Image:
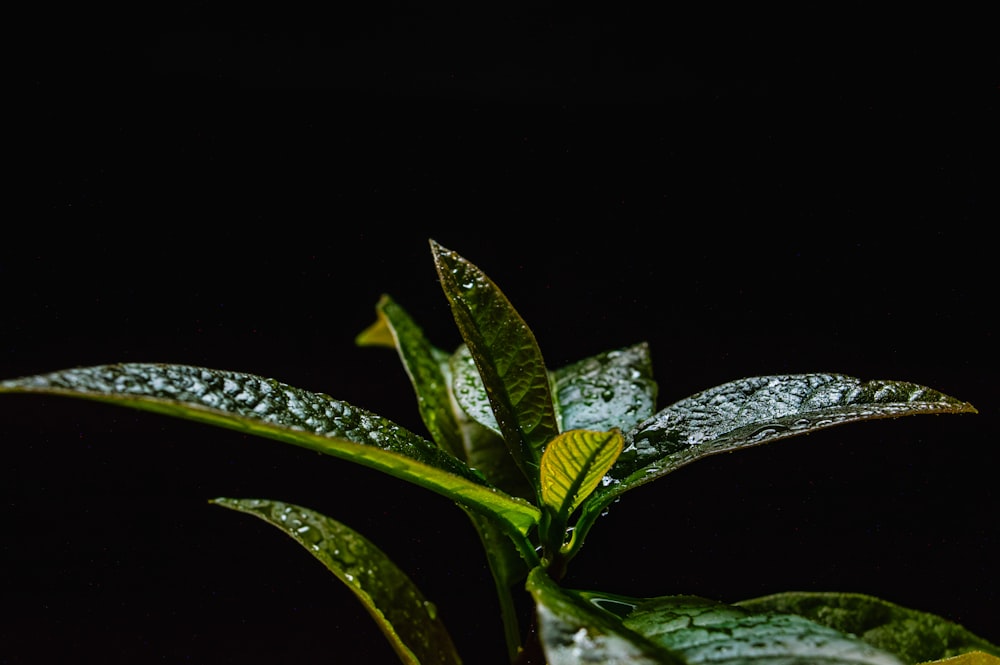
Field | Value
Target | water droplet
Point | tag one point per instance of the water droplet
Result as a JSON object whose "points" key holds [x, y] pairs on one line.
{"points": [[432, 610]]}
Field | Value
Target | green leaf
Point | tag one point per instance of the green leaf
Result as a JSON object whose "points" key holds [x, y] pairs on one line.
{"points": [[759, 410], [484, 444], [429, 372], [574, 632], [912, 635], [706, 631], [507, 356], [438, 382], [612, 389], [268, 408], [573, 464], [422, 363], [470, 392], [408, 620]]}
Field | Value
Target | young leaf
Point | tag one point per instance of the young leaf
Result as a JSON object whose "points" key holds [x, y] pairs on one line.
{"points": [[912, 635], [271, 409], [758, 410], [507, 356], [573, 464], [408, 620]]}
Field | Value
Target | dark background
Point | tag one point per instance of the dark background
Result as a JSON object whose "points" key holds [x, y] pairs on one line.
{"points": [[237, 191]]}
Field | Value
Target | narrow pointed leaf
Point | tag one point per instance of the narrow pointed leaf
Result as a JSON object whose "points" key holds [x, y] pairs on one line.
{"points": [[441, 383], [612, 389], [573, 464], [429, 372], [422, 362], [575, 632], [485, 447], [268, 408], [914, 636], [705, 631], [408, 620], [506, 354], [759, 410]]}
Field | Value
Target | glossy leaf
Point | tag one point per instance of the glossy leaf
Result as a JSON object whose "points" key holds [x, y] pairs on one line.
{"points": [[573, 464], [507, 357], [422, 362], [706, 631], [575, 632], [442, 385], [612, 389], [470, 391], [759, 410], [429, 372], [271, 409], [408, 620], [912, 635]]}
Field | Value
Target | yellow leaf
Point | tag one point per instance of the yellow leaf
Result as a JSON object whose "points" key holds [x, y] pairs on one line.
{"points": [[970, 658], [574, 463]]}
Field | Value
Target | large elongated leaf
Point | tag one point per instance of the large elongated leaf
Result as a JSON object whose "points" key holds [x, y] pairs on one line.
{"points": [[706, 631], [271, 409], [758, 410], [408, 620], [507, 356], [914, 636], [590, 627]]}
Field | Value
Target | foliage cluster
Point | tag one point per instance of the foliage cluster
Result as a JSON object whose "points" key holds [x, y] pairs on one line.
{"points": [[534, 457]]}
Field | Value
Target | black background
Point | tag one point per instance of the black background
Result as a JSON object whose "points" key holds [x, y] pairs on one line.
{"points": [[237, 191]]}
